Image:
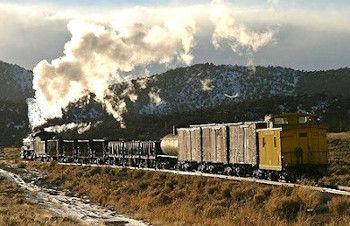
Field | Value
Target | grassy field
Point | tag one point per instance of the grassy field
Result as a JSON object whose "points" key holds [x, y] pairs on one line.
{"points": [[339, 159], [162, 198], [168, 199]]}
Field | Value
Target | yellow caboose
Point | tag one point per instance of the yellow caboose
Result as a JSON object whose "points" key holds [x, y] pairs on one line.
{"points": [[294, 143]]}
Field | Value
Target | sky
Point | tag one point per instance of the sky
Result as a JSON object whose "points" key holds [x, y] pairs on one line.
{"points": [[306, 35]]}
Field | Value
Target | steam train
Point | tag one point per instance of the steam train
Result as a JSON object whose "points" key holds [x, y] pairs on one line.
{"points": [[281, 147]]}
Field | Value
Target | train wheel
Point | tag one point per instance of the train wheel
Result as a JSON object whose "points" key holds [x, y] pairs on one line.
{"points": [[240, 172], [228, 171]]}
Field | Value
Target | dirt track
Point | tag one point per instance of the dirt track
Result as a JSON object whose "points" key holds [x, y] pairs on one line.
{"points": [[61, 204]]}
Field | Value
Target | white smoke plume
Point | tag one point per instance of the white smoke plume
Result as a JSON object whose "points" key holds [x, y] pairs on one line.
{"points": [[207, 84], [96, 54], [154, 97], [237, 36], [100, 54], [142, 83], [231, 96], [81, 127], [34, 113]]}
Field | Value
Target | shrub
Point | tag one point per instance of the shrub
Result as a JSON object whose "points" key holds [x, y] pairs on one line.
{"points": [[322, 209], [215, 212], [179, 194], [198, 209], [163, 200], [259, 198], [262, 195], [162, 177], [226, 193], [53, 164], [60, 180], [138, 174], [241, 196], [313, 200], [171, 184], [212, 189], [287, 207], [223, 203], [142, 186], [107, 170], [339, 206], [95, 170], [342, 170], [22, 165]]}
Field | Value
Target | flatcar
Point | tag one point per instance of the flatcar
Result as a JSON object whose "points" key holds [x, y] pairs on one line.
{"points": [[285, 146]]}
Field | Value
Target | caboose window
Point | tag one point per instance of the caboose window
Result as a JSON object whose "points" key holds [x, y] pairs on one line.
{"points": [[274, 142], [263, 142], [304, 119], [281, 121]]}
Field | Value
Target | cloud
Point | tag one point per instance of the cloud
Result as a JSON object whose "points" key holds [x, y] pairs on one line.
{"points": [[239, 37], [30, 33], [101, 47]]}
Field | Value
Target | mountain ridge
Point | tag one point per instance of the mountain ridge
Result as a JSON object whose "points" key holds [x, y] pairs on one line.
{"points": [[227, 92]]}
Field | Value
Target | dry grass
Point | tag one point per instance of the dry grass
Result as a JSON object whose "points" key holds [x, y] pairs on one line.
{"points": [[167, 199], [342, 135], [339, 160], [162, 198], [10, 153], [16, 210]]}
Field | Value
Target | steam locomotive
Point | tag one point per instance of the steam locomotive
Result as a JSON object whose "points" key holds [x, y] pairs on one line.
{"points": [[282, 147]]}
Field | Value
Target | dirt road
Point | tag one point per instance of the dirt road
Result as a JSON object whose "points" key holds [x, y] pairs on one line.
{"points": [[64, 205]]}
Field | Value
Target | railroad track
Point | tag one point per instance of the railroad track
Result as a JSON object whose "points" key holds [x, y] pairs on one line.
{"points": [[341, 190]]}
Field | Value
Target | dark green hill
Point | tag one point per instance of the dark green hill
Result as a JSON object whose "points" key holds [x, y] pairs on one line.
{"points": [[200, 93]]}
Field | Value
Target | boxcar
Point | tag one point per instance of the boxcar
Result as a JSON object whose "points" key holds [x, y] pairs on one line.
{"points": [[116, 150]]}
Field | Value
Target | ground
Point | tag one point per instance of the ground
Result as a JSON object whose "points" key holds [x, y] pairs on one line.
{"points": [[16, 209], [339, 160], [168, 199]]}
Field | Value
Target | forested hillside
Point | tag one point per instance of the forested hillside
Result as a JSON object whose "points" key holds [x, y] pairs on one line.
{"points": [[200, 93]]}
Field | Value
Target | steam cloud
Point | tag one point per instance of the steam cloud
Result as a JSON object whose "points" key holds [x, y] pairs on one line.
{"points": [[98, 54], [237, 36], [81, 127], [206, 84], [154, 97]]}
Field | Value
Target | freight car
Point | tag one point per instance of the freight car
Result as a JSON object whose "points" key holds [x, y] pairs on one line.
{"points": [[45, 146], [285, 146], [220, 148]]}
